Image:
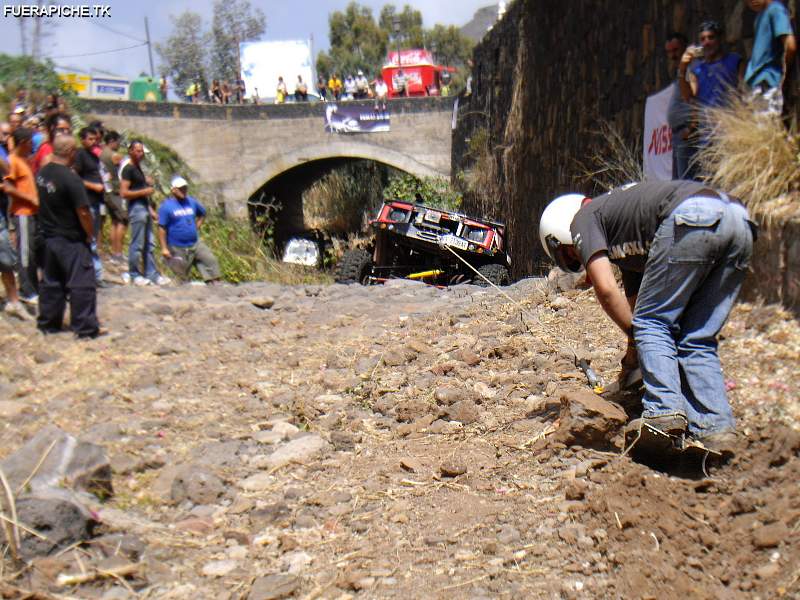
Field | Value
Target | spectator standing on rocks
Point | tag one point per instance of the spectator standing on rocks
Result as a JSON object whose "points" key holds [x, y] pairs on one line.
{"points": [[679, 112], [87, 166], [179, 218], [20, 187], [683, 250], [8, 256], [774, 49], [67, 228], [111, 159], [711, 80], [137, 188]]}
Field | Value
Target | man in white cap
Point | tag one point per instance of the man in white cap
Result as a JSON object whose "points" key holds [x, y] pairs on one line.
{"points": [[179, 218], [362, 86]]}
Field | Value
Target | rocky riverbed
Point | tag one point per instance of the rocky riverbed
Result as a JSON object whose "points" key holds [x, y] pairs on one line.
{"points": [[398, 441]]}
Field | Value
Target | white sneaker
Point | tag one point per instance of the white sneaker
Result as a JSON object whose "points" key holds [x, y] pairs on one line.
{"points": [[163, 280], [139, 280], [126, 278], [32, 300], [15, 309]]}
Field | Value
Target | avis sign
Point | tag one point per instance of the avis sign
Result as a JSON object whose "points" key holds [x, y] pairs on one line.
{"points": [[658, 137]]}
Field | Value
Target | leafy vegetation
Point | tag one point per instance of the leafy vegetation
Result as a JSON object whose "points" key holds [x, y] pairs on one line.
{"points": [[432, 191], [23, 72], [359, 42]]}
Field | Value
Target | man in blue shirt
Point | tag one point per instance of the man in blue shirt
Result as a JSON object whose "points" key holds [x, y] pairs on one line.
{"points": [[774, 49], [179, 218]]}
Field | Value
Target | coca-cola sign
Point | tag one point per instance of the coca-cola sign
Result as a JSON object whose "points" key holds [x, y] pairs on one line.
{"points": [[410, 57]]}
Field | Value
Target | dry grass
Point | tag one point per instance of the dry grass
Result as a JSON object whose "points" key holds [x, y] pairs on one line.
{"points": [[480, 182], [613, 162], [754, 158]]}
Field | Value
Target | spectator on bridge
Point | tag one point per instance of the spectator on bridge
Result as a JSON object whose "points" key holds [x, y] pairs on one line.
{"points": [[67, 231], [137, 188], [111, 159], [179, 218], [400, 83], [280, 92], [335, 86], [240, 90], [322, 90], [679, 113], [711, 80], [300, 90], [362, 86], [163, 88], [216, 92], [191, 91], [349, 87], [774, 49], [381, 93], [20, 187], [226, 92]]}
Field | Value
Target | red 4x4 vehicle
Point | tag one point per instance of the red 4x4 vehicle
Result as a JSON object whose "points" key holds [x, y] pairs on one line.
{"points": [[419, 242]]}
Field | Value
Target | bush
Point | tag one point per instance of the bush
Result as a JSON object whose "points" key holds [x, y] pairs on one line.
{"points": [[434, 191]]}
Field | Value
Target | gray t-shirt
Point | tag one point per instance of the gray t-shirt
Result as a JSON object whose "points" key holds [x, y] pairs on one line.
{"points": [[623, 223]]}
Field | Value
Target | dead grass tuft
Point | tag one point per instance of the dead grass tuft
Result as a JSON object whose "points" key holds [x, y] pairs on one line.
{"points": [[753, 157], [612, 162]]}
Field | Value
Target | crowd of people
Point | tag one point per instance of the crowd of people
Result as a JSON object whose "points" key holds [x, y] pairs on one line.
{"points": [[219, 92], [333, 89], [55, 195], [707, 76]]}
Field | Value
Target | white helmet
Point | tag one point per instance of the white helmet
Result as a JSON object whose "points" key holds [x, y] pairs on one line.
{"points": [[554, 229]]}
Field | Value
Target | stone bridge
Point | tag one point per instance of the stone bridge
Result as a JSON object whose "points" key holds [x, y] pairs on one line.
{"points": [[236, 150]]}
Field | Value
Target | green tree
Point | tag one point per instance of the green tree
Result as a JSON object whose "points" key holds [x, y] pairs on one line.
{"points": [[184, 55], [452, 47], [357, 42], [411, 33], [39, 78], [234, 22]]}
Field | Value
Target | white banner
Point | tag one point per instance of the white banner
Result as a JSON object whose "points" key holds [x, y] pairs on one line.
{"points": [[658, 136], [264, 62]]}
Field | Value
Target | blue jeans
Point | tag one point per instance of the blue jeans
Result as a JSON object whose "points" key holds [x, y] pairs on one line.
{"points": [[682, 155], [693, 274], [139, 219], [96, 262]]}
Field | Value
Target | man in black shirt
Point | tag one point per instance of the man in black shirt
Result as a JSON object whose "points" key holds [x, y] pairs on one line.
{"points": [[66, 224], [683, 250], [87, 166]]}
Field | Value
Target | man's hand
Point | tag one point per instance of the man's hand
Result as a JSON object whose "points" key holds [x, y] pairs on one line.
{"points": [[166, 253], [149, 180], [631, 359]]}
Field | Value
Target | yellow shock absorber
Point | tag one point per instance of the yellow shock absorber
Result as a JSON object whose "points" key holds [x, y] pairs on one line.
{"points": [[426, 274]]}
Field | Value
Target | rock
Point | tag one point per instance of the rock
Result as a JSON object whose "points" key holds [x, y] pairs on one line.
{"points": [[559, 303], [268, 437], [198, 485], [576, 490], [296, 562], [344, 441], [411, 464], [768, 571], [263, 302], [219, 568], [463, 411], [257, 483], [274, 587], [771, 535], [418, 425], [408, 411], [285, 429], [588, 420], [41, 357], [126, 545], [68, 463], [447, 395], [64, 523], [298, 450], [201, 526], [508, 535], [468, 357], [11, 408], [452, 469]]}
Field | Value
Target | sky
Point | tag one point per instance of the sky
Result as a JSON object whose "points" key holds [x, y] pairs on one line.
{"points": [[70, 38]]}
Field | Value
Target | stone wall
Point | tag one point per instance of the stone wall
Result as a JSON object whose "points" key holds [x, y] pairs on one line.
{"points": [[547, 75]]}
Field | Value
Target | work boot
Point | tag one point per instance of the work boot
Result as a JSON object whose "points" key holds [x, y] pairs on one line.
{"points": [[669, 424], [721, 442]]}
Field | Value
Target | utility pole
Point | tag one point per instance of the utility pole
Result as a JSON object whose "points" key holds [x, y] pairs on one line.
{"points": [[149, 47]]}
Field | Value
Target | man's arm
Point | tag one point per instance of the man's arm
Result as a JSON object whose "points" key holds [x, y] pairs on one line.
{"points": [[162, 239], [87, 223], [93, 187], [126, 192], [608, 293], [13, 192], [789, 52]]}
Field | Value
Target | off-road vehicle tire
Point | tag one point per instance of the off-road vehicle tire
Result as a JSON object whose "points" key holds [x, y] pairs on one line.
{"points": [[495, 273], [355, 267]]}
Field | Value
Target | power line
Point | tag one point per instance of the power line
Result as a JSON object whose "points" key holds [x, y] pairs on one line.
{"points": [[107, 28], [97, 53]]}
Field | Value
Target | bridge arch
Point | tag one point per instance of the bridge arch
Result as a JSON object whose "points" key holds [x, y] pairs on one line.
{"points": [[279, 163]]}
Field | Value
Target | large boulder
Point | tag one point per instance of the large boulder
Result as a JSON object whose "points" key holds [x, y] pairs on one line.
{"points": [[588, 420]]}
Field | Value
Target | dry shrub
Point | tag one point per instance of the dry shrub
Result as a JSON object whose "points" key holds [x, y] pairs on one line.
{"points": [[480, 182], [613, 161], [753, 157]]}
